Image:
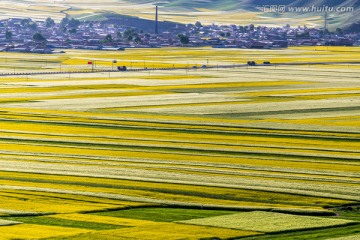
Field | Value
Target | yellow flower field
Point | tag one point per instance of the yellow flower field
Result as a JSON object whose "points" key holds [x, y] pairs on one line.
{"points": [[30, 231], [276, 139]]}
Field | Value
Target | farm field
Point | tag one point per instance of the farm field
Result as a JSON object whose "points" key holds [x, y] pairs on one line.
{"points": [[77, 60], [264, 152]]}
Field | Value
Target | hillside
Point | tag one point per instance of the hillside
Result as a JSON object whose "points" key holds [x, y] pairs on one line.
{"points": [[240, 12], [249, 4], [253, 7]]}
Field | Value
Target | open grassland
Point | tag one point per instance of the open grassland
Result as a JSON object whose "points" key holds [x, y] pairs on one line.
{"points": [[99, 155], [237, 12]]}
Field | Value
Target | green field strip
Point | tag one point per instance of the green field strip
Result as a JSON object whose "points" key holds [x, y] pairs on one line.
{"points": [[164, 106], [104, 220], [234, 170], [194, 201], [164, 230], [231, 170], [311, 91], [254, 221], [161, 193], [98, 203], [321, 96], [217, 86], [289, 112], [245, 195], [296, 135], [320, 169], [305, 70], [6, 100], [50, 221], [348, 211], [164, 214], [239, 151], [275, 76], [295, 74], [27, 203], [289, 203], [219, 179], [353, 144], [224, 139], [322, 234], [177, 77], [53, 128], [170, 145], [194, 127], [302, 188], [244, 186], [202, 141]]}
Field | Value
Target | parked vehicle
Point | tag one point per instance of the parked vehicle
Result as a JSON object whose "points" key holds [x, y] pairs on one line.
{"points": [[123, 68]]}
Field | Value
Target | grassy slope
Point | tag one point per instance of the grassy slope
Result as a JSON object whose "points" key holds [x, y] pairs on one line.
{"points": [[237, 12]]}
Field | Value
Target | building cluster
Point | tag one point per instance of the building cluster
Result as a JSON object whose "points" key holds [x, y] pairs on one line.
{"points": [[26, 35]]}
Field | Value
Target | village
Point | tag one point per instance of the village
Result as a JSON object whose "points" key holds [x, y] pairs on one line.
{"points": [[27, 35]]}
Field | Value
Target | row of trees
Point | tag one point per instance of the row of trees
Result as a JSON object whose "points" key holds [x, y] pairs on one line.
{"points": [[30, 24], [128, 35], [131, 35], [37, 37], [66, 23]]}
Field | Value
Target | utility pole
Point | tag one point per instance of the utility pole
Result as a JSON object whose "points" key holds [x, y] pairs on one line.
{"points": [[156, 21], [325, 26]]}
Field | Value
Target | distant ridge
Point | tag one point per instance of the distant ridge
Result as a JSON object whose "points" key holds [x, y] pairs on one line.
{"points": [[216, 4], [239, 12], [349, 20]]}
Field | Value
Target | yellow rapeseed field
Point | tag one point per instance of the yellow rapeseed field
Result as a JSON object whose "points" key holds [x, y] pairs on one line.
{"points": [[273, 139], [31, 231]]}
